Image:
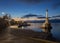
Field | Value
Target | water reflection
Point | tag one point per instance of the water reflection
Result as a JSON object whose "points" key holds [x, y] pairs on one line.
{"points": [[55, 29]]}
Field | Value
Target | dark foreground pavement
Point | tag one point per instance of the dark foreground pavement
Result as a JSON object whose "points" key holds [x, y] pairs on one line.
{"points": [[15, 36]]}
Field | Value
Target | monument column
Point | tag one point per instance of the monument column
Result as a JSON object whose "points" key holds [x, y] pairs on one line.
{"points": [[46, 27]]}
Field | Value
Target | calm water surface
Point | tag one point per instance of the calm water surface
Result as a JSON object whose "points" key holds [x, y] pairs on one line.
{"points": [[55, 29]]}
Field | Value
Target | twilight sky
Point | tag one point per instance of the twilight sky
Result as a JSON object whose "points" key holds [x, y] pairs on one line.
{"points": [[19, 8]]}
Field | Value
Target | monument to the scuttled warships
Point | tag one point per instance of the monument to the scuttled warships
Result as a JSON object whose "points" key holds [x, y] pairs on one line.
{"points": [[46, 27]]}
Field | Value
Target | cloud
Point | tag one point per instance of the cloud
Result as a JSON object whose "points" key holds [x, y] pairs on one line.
{"points": [[55, 3], [33, 1]]}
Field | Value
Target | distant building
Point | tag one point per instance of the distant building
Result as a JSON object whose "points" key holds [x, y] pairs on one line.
{"points": [[17, 19]]}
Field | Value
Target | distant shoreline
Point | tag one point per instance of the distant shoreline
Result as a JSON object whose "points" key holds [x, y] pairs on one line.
{"points": [[42, 21]]}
